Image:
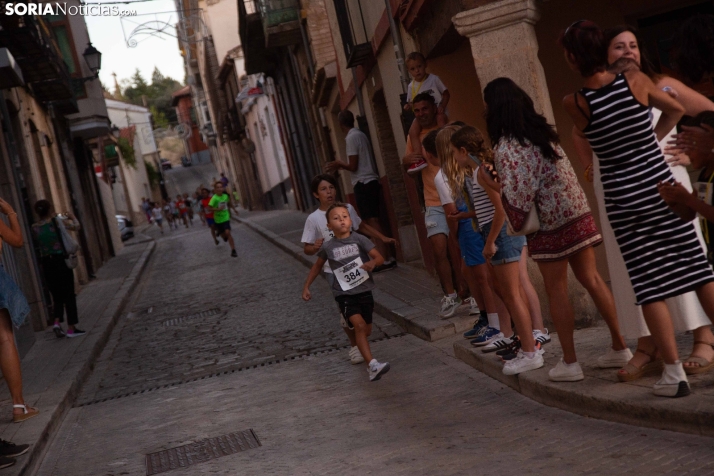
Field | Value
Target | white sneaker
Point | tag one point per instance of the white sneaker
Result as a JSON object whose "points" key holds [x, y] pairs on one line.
{"points": [[540, 336], [376, 370], [673, 382], [523, 364], [563, 372], [449, 306], [355, 356], [614, 359], [499, 343], [473, 307]]}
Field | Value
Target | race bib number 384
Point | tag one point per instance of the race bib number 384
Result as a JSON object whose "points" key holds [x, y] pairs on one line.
{"points": [[351, 275]]}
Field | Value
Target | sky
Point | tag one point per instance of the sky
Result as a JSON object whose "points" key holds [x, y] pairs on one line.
{"points": [[105, 33]]}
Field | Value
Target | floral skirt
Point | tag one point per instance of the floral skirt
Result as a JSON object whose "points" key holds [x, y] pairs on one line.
{"points": [[564, 242], [12, 299]]}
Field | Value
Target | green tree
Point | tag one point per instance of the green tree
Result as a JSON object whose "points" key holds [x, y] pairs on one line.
{"points": [[157, 94]]}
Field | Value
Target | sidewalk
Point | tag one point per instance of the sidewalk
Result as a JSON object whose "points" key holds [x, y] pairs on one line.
{"points": [[406, 295], [410, 298], [54, 369]]}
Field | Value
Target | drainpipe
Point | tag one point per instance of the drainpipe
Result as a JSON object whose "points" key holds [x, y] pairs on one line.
{"points": [[398, 47]]}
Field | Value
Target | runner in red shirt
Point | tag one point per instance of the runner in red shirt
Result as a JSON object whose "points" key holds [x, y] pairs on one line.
{"points": [[208, 212], [182, 209]]}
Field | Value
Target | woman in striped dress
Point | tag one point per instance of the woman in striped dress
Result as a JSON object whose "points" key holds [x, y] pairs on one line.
{"points": [[660, 249]]}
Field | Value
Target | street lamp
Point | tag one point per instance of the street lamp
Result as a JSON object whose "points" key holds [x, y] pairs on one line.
{"points": [[93, 58]]}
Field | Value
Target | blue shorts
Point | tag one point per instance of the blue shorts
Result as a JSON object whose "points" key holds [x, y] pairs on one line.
{"points": [[471, 244], [435, 221], [210, 222], [508, 248]]}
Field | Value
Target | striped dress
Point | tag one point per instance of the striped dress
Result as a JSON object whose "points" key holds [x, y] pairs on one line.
{"points": [[661, 252]]}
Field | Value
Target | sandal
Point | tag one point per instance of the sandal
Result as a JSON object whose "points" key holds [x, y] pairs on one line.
{"points": [[27, 413], [631, 372], [704, 364]]}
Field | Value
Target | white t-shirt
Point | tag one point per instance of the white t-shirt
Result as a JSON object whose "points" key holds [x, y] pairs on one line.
{"points": [[358, 144], [482, 204], [157, 213], [316, 227], [442, 188], [431, 84]]}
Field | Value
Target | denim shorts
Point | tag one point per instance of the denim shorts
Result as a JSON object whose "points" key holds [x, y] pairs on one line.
{"points": [[435, 221], [508, 248], [12, 299], [471, 244]]}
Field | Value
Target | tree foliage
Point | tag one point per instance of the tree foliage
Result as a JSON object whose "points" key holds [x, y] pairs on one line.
{"points": [[157, 94]]}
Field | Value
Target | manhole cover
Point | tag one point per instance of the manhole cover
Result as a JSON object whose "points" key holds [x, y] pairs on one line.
{"points": [[179, 320], [204, 450]]}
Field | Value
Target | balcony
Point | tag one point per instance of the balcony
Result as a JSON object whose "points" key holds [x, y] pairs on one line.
{"points": [[258, 59], [281, 22], [30, 42]]}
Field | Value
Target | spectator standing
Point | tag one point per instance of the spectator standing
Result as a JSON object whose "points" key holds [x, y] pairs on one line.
{"points": [[365, 181], [58, 276], [13, 311], [437, 228]]}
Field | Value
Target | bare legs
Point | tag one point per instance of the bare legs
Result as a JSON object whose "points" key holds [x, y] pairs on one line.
{"points": [[509, 285], [530, 292], [10, 361], [362, 332], [443, 268], [555, 277]]}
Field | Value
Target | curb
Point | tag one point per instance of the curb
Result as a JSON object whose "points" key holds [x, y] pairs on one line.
{"points": [[595, 397], [108, 319], [413, 320]]}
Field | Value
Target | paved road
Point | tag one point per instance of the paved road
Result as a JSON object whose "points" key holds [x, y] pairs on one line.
{"points": [[170, 382]]}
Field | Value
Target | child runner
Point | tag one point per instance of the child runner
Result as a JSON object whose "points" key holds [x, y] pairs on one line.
{"points": [[168, 214], [220, 204], [182, 209], [316, 232], [423, 82], [174, 214], [502, 251], [198, 208], [348, 255], [208, 213], [188, 201], [158, 217]]}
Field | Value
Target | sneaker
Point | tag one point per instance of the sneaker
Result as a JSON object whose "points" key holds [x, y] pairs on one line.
{"points": [[449, 306], [512, 348], [9, 449], [523, 364], [414, 168], [386, 266], [515, 350], [234, 253], [58, 331], [476, 330], [473, 307], [6, 462], [376, 370], [488, 335], [614, 359], [75, 333], [563, 372], [673, 382], [497, 344], [355, 356], [541, 337]]}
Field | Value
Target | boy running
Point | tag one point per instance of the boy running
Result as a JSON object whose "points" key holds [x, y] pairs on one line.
{"points": [[208, 213], [158, 217], [219, 205], [348, 255]]}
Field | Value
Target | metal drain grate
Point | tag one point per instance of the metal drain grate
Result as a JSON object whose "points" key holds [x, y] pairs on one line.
{"points": [[204, 450], [179, 320]]}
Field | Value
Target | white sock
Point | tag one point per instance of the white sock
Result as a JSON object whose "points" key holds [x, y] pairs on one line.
{"points": [[453, 295], [493, 320], [530, 355], [373, 362]]}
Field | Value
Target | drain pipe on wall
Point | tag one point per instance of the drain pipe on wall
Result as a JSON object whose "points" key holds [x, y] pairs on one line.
{"points": [[398, 47]]}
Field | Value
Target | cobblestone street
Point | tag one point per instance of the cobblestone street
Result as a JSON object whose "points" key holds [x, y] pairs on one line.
{"points": [[315, 414]]}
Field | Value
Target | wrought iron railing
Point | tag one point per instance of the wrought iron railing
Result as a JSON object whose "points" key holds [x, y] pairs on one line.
{"points": [[276, 12]]}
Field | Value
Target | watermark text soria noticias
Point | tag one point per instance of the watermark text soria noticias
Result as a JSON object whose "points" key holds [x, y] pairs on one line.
{"points": [[94, 10]]}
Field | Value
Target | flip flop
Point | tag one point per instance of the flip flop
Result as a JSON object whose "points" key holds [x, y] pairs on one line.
{"points": [[704, 364]]}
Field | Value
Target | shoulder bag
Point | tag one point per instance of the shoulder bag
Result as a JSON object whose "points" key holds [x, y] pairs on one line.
{"points": [[69, 245]]}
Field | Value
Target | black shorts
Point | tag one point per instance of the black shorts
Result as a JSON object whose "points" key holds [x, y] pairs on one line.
{"points": [[368, 196], [350, 305], [221, 227]]}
